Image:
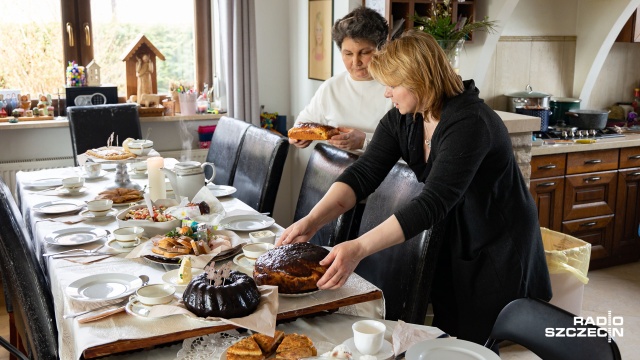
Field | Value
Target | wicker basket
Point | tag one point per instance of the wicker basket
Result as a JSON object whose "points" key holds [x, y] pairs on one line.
{"points": [[157, 110]]}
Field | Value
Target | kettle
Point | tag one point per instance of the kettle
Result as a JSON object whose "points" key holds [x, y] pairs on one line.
{"points": [[187, 178]]}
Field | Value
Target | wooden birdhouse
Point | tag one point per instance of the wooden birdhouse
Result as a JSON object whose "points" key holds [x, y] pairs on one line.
{"points": [[92, 71], [140, 60]]}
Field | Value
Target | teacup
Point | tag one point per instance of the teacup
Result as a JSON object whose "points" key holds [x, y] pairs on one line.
{"points": [[138, 168], [140, 147], [73, 184], [253, 251], [263, 236], [128, 237], [99, 207], [92, 169], [156, 294], [368, 336]]}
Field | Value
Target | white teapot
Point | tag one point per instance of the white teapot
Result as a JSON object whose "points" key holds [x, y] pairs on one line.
{"points": [[187, 178]]}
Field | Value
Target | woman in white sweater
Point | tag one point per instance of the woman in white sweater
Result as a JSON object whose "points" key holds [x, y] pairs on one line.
{"points": [[351, 101]]}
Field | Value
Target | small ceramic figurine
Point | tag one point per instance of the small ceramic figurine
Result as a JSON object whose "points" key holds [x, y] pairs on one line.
{"points": [[25, 101], [43, 104]]}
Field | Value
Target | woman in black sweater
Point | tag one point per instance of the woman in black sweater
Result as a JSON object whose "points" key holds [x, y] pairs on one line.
{"points": [[492, 249]]}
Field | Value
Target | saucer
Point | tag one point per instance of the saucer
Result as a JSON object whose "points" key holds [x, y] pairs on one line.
{"points": [[101, 175], [386, 352], [65, 192], [244, 261], [135, 175], [113, 244], [90, 216]]}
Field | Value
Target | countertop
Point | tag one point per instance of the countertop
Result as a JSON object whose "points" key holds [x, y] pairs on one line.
{"points": [[629, 140], [63, 122]]}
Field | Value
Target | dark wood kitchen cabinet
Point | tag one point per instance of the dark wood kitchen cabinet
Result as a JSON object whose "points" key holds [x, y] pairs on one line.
{"points": [[630, 32], [594, 196]]}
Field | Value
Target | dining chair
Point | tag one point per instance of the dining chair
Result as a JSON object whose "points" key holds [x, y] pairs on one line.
{"points": [[26, 285], [224, 149], [325, 164], [260, 164], [91, 126], [403, 272], [529, 322]]}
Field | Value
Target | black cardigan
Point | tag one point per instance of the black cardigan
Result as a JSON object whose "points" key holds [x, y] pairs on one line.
{"points": [[473, 185]]}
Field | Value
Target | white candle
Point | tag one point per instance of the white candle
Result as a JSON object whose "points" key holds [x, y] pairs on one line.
{"points": [[157, 188]]}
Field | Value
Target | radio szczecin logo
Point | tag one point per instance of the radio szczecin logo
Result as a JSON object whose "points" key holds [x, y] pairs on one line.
{"points": [[609, 326]]}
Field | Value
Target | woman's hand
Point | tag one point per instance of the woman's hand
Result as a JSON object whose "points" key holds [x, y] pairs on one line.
{"points": [[300, 143], [349, 139], [343, 258], [300, 231]]}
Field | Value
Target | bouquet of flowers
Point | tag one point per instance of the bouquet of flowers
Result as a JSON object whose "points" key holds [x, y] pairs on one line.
{"points": [[443, 28]]}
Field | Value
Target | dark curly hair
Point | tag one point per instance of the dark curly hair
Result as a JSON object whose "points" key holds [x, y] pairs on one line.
{"points": [[361, 24]]}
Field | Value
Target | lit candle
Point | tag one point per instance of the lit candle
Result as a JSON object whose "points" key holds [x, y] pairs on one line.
{"points": [[157, 188]]}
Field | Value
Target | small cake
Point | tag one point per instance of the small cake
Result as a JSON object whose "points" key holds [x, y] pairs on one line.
{"points": [[237, 296], [294, 347], [293, 268], [269, 344], [245, 349]]}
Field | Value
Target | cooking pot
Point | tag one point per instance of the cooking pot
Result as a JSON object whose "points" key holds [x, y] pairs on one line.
{"points": [[588, 119], [527, 99], [543, 114], [560, 106]]}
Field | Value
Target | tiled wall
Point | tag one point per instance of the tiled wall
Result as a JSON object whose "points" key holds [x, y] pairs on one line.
{"points": [[547, 63]]}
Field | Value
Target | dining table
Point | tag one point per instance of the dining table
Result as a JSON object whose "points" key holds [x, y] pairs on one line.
{"points": [[127, 336]]}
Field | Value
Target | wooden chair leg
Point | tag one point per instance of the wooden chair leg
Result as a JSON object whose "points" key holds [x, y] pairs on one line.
{"points": [[13, 335]]}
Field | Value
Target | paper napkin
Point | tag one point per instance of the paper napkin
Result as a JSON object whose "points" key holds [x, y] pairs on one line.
{"points": [[404, 335]]}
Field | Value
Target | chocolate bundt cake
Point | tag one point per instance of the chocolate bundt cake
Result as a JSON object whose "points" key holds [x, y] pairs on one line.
{"points": [[237, 297], [293, 268]]}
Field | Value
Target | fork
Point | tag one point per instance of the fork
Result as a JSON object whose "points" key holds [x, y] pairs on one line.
{"points": [[72, 250]]}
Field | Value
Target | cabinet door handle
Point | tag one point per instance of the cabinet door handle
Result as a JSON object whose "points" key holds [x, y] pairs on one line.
{"points": [[547, 184], [548, 166], [593, 161], [594, 178], [87, 34], [634, 174], [634, 157], [592, 223], [70, 33]]}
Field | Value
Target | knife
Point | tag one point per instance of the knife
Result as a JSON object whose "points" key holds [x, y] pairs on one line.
{"points": [[79, 255]]}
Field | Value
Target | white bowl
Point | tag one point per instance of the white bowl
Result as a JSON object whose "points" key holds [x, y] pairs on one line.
{"points": [[99, 205], [128, 236], [263, 236], [254, 250], [151, 228], [156, 294], [73, 183]]}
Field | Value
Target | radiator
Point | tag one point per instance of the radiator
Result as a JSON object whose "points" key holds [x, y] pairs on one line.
{"points": [[8, 169]]}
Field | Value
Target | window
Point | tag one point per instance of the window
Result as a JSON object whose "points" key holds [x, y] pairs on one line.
{"points": [[102, 30]]}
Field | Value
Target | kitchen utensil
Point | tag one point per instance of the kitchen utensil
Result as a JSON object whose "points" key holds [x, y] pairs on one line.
{"points": [[588, 119], [83, 251], [188, 177], [527, 99], [559, 106]]}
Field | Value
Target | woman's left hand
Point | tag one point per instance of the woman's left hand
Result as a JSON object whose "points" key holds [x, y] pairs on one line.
{"points": [[343, 258], [349, 139]]}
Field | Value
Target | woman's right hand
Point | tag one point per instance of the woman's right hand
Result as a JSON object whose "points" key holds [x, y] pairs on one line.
{"points": [[300, 143], [300, 231]]}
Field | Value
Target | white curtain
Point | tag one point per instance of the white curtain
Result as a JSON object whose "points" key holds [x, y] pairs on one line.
{"points": [[239, 59]]}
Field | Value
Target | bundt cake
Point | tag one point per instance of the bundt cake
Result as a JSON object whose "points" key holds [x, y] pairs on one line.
{"points": [[237, 297], [293, 268]]}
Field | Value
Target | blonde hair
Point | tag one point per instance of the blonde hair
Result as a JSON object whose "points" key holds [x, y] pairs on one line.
{"points": [[417, 62]]}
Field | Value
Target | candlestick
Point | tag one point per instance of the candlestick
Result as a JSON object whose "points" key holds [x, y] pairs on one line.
{"points": [[157, 189]]}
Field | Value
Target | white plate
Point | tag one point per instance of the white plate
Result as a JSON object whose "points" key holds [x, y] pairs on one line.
{"points": [[101, 287], [109, 167], [88, 215], [128, 204], [58, 207], [243, 262], [450, 349], [50, 182], [62, 191], [87, 177], [140, 310], [385, 353], [300, 295], [247, 222], [171, 277], [135, 175], [113, 244], [221, 190], [75, 236]]}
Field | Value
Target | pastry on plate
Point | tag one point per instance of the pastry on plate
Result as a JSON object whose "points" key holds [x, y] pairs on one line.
{"points": [[294, 347], [269, 344], [245, 349]]}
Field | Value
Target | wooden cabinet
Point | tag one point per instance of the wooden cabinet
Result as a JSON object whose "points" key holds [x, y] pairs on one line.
{"points": [[594, 196], [630, 32], [401, 12]]}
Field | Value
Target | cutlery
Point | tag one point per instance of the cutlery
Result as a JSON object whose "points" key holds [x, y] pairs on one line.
{"points": [[84, 251], [64, 256], [401, 355], [45, 189], [145, 281]]}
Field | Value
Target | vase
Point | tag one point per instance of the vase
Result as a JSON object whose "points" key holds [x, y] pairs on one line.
{"points": [[452, 49]]}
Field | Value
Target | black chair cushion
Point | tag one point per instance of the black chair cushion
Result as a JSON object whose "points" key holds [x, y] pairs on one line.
{"points": [[91, 126], [260, 164], [403, 272], [325, 165], [225, 149], [26, 283]]}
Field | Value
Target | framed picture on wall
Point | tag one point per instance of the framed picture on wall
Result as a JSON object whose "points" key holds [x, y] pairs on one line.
{"points": [[320, 46]]}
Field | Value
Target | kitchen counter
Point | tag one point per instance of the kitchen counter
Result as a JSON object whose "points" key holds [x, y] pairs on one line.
{"points": [[63, 122], [629, 140]]}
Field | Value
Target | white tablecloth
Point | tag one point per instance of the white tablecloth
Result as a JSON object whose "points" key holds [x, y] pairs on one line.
{"points": [[74, 337]]}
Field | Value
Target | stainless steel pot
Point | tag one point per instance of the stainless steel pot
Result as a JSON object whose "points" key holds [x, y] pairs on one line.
{"points": [[588, 119], [527, 99]]}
